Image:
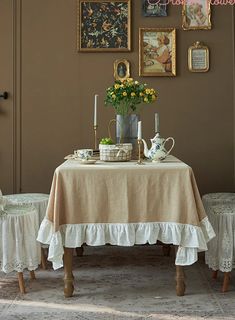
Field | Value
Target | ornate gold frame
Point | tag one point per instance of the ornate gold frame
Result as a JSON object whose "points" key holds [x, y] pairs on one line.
{"points": [[198, 57], [185, 25], [115, 69], [173, 52], [79, 32]]}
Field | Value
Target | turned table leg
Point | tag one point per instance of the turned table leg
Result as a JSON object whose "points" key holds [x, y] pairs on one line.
{"points": [[214, 274], [43, 259], [180, 285], [32, 275], [21, 282], [166, 248], [226, 281], [68, 272], [79, 251]]}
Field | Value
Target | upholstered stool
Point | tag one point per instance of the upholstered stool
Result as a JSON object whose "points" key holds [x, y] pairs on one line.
{"points": [[19, 249], [218, 198], [220, 209], [39, 201]]}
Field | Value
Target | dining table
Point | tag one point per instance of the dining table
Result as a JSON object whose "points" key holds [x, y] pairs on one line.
{"points": [[124, 204]]}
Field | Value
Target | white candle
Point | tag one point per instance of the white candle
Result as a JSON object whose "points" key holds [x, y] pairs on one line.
{"points": [[95, 110], [139, 134], [157, 122]]}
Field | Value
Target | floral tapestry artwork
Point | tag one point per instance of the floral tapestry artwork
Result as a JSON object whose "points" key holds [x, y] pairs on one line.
{"points": [[104, 26]]}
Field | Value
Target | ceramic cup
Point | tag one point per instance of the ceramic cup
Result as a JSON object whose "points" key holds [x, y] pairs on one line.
{"points": [[84, 154]]}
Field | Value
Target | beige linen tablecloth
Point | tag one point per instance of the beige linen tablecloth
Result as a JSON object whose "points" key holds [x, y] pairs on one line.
{"points": [[125, 204]]}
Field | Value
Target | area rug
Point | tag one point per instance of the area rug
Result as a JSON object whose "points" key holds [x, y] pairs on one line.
{"points": [[117, 283]]}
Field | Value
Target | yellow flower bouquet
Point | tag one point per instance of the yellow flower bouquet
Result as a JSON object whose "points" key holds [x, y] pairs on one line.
{"points": [[125, 95]]}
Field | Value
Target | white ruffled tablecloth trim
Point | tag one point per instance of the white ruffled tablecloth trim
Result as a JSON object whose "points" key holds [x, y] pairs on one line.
{"points": [[190, 239]]}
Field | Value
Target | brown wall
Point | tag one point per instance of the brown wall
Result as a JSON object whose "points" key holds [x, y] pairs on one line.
{"points": [[58, 87], [234, 90]]}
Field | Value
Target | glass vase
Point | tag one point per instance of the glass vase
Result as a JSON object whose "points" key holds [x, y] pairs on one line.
{"points": [[126, 128]]}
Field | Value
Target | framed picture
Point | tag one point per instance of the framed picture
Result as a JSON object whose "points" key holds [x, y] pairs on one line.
{"points": [[196, 15], [198, 58], [154, 8], [157, 52], [104, 25], [121, 69]]}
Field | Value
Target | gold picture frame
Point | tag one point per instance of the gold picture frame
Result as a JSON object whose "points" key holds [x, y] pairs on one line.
{"points": [[196, 15], [198, 57], [121, 69], [103, 25], [157, 52]]}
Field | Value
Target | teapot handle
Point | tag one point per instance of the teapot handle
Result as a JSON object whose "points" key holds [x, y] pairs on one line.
{"points": [[173, 143]]}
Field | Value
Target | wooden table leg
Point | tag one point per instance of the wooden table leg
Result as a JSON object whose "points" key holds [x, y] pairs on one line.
{"points": [[68, 272], [32, 275], [43, 259], [79, 251], [226, 281], [214, 274], [21, 282], [180, 285], [166, 248]]}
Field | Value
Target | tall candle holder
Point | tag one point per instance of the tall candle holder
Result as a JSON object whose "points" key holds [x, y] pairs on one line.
{"points": [[95, 135], [140, 161]]}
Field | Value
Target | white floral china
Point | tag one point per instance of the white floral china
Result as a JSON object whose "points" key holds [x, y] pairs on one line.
{"points": [[157, 152], [69, 157], [83, 154], [89, 161]]}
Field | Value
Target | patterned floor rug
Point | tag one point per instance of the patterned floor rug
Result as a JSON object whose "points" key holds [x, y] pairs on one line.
{"points": [[118, 283]]}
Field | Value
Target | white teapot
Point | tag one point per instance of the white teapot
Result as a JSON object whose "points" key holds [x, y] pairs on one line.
{"points": [[157, 152]]}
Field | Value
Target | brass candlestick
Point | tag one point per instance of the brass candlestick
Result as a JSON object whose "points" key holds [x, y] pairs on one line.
{"points": [[95, 134], [139, 147]]}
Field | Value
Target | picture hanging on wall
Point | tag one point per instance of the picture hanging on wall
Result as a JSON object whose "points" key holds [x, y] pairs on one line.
{"points": [[196, 15], [157, 52], [154, 8], [104, 25], [198, 57], [121, 69]]}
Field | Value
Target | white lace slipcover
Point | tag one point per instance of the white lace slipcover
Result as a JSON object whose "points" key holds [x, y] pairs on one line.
{"points": [[38, 200], [220, 208], [18, 231]]}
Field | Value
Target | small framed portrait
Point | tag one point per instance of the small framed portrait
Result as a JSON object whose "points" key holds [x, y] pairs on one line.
{"points": [[157, 52], [196, 15], [198, 58], [154, 8], [121, 69], [104, 25]]}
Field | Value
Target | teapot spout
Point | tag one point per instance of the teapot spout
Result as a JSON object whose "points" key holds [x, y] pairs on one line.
{"points": [[146, 150]]}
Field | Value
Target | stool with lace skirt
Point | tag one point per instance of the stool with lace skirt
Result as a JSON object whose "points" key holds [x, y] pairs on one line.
{"points": [[220, 208], [19, 249]]}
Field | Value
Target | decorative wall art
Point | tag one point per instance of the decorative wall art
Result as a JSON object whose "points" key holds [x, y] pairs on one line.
{"points": [[157, 52], [154, 8], [196, 15], [104, 25], [198, 58], [121, 69]]}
